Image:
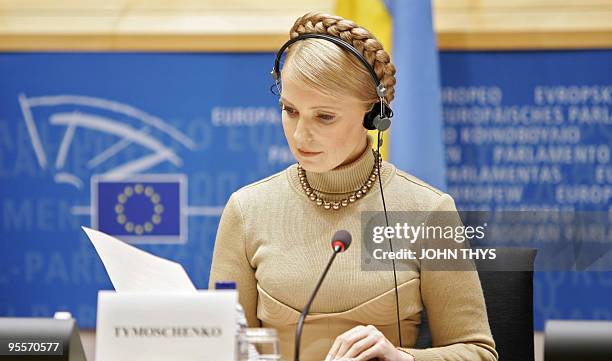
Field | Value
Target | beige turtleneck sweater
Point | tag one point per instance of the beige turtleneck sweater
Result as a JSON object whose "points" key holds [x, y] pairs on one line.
{"points": [[275, 242]]}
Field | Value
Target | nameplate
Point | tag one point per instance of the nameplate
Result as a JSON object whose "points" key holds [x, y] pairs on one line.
{"points": [[139, 326]]}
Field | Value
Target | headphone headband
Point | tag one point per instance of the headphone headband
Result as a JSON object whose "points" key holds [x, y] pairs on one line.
{"points": [[381, 91]]}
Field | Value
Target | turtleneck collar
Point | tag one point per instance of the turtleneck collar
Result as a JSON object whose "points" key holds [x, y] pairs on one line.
{"points": [[346, 178], [340, 182]]}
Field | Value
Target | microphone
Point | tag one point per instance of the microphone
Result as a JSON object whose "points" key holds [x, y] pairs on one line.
{"points": [[340, 242]]}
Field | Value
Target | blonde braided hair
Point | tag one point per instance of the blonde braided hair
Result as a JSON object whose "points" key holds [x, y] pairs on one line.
{"points": [[323, 65]]}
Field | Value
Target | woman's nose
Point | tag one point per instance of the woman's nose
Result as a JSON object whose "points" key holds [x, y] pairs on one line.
{"points": [[302, 133]]}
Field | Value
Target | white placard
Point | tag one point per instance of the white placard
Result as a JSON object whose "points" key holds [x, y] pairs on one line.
{"points": [[156, 326]]}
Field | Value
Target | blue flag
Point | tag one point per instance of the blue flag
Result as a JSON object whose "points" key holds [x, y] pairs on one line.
{"points": [[139, 210], [416, 133]]}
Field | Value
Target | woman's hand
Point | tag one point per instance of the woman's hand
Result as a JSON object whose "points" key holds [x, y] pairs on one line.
{"points": [[362, 343]]}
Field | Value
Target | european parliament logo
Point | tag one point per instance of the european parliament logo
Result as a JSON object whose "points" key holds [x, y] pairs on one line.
{"points": [[140, 208], [126, 144]]}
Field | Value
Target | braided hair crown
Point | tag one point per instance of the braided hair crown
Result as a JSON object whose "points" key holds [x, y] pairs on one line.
{"points": [[358, 37]]}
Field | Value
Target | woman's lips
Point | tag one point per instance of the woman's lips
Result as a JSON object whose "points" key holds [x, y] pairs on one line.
{"points": [[308, 154]]}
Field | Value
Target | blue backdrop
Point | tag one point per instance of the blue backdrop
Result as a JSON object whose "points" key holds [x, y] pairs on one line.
{"points": [[532, 130], [208, 123], [66, 118]]}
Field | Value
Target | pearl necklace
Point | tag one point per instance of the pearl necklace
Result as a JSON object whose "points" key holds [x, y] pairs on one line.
{"points": [[346, 201]]}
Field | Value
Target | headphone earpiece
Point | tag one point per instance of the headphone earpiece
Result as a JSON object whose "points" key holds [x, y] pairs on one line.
{"points": [[374, 120]]}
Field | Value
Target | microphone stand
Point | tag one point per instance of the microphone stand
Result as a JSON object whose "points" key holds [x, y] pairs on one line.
{"points": [[300, 324]]}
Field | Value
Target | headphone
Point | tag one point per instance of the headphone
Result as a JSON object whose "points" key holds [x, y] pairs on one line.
{"points": [[379, 117]]}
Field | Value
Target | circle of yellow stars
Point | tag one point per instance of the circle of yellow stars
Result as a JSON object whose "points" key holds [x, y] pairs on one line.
{"points": [[154, 198]]}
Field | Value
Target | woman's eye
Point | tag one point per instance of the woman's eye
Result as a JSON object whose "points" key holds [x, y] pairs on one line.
{"points": [[289, 111], [326, 117]]}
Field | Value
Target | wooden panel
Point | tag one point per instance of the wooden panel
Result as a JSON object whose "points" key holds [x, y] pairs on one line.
{"points": [[166, 43], [248, 25], [160, 25], [523, 24], [521, 4]]}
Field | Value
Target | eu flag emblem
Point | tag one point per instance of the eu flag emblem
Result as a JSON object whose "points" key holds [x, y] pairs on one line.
{"points": [[140, 208]]}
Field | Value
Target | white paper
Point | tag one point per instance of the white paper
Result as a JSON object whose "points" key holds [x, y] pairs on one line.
{"points": [[132, 269]]}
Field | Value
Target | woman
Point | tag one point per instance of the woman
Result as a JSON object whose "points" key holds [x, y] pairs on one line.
{"points": [[273, 238]]}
